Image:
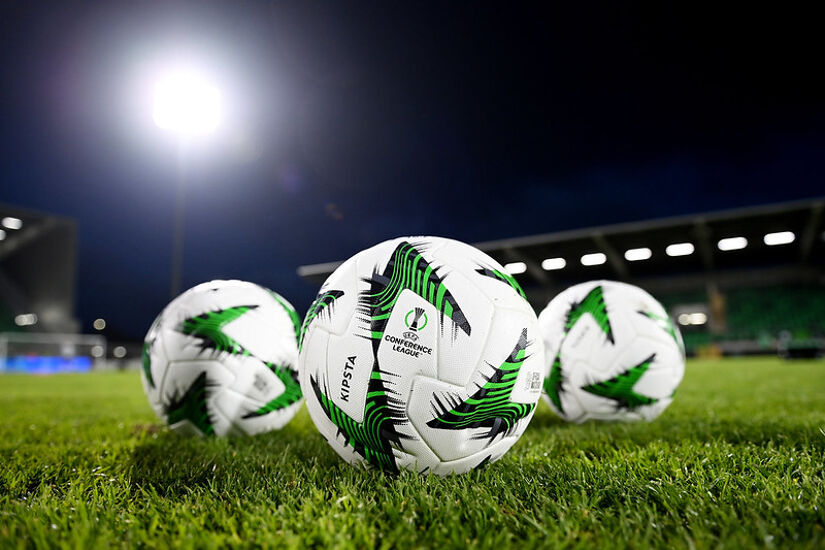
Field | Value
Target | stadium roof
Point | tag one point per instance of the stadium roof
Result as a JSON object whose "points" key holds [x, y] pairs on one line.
{"points": [[800, 222], [37, 270], [20, 227]]}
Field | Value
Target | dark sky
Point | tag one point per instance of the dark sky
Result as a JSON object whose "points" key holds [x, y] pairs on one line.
{"points": [[348, 125]]}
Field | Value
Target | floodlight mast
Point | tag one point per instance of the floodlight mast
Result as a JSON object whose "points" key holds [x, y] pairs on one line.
{"points": [[180, 214], [188, 107]]}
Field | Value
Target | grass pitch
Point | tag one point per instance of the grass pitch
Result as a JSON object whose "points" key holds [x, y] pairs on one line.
{"points": [[736, 461]]}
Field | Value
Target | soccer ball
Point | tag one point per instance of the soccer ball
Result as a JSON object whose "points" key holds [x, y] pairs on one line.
{"points": [[421, 353], [612, 353], [221, 359]]}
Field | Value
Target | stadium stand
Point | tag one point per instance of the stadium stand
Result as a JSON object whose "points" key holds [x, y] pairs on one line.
{"points": [[755, 312], [37, 271], [761, 292], [37, 295]]}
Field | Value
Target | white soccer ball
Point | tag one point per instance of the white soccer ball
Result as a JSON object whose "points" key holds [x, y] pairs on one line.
{"points": [[221, 359], [421, 353], [612, 353]]}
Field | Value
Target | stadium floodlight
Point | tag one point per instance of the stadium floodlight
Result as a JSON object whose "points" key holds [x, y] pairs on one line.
{"points": [[119, 352], [25, 320], [99, 324], [552, 264], [732, 243], [187, 105], [781, 237], [515, 268], [637, 254], [698, 318], [679, 249], [10, 222], [596, 258]]}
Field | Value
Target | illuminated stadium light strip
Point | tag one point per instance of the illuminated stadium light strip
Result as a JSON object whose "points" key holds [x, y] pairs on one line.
{"points": [[781, 237], [596, 258], [12, 223], [698, 318], [515, 268], [637, 254], [732, 243], [552, 264], [25, 319], [679, 249]]}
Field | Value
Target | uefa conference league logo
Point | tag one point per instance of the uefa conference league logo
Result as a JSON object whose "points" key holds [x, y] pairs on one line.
{"points": [[415, 321], [419, 321]]}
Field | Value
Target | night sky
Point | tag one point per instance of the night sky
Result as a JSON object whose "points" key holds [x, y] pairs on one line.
{"points": [[348, 125]]}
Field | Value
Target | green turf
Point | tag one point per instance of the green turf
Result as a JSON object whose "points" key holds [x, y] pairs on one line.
{"points": [[737, 461]]}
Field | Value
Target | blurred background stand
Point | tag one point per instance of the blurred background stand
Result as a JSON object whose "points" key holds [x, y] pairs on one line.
{"points": [[738, 282]]}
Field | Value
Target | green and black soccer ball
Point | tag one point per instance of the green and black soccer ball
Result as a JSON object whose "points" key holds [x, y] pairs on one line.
{"points": [[221, 359], [612, 353], [421, 353]]}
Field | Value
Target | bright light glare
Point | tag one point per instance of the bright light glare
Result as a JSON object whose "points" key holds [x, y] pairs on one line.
{"points": [[99, 324], [783, 237], [552, 264], [732, 243], [97, 351], [679, 249], [2, 235], [25, 319], [187, 105], [515, 268], [12, 223], [597, 258], [636, 254], [119, 352]]}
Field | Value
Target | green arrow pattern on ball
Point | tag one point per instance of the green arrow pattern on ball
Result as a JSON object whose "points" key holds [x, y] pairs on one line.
{"points": [[375, 436], [553, 383], [620, 387], [291, 394], [490, 406], [208, 328], [594, 305], [192, 406]]}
